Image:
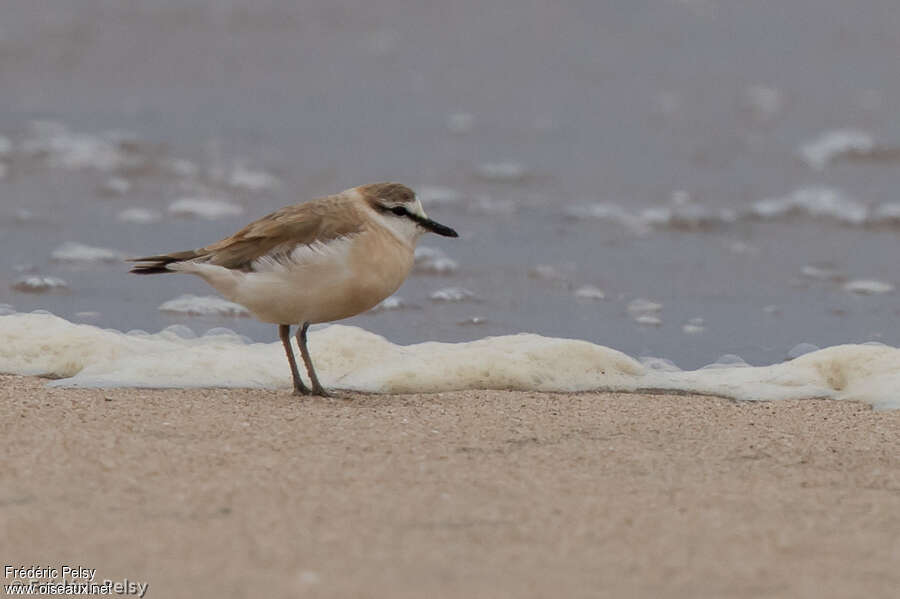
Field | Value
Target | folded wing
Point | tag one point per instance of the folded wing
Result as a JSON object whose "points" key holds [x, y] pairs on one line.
{"points": [[279, 233]]}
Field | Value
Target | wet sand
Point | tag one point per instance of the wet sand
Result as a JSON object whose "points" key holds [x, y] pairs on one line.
{"points": [[248, 493]]}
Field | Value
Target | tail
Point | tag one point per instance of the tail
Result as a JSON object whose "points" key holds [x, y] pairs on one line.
{"points": [[153, 265]]}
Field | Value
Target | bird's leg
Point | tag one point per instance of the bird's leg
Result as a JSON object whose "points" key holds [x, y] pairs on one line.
{"points": [[317, 389], [284, 331]]}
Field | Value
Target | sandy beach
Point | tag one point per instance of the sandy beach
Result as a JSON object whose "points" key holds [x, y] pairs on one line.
{"points": [[248, 493]]}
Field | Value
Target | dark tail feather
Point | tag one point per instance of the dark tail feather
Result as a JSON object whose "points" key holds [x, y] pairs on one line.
{"points": [[150, 269], [160, 264]]}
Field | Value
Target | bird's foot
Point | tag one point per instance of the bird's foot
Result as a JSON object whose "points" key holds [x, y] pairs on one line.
{"points": [[320, 391], [301, 391]]}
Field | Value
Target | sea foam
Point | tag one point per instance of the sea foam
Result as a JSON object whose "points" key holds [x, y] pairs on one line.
{"points": [[831, 145], [76, 151], [350, 358], [78, 252], [813, 202], [208, 208], [203, 305], [434, 261]]}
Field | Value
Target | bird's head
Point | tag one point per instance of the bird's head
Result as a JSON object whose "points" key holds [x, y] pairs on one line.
{"points": [[401, 211]]}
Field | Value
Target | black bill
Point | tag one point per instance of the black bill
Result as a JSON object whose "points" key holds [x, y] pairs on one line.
{"points": [[434, 227]]}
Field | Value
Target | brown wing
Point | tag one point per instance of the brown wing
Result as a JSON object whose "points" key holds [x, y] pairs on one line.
{"points": [[322, 219]]}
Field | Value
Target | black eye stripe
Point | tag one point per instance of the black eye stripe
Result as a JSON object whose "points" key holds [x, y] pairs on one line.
{"points": [[402, 211]]}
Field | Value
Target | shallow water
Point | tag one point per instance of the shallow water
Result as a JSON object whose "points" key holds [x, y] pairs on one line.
{"points": [[732, 162]]}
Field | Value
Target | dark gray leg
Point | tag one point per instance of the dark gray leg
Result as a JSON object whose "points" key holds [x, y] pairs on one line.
{"points": [[317, 389], [284, 331]]}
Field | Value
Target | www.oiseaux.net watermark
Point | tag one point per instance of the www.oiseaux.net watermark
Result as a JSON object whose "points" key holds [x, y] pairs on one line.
{"points": [[66, 580]]}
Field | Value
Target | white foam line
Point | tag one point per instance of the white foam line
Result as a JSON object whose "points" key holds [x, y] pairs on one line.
{"points": [[351, 358]]}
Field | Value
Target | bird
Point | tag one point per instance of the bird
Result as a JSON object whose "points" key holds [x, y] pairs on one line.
{"points": [[318, 261]]}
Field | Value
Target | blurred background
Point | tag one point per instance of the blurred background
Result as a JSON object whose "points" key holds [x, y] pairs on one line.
{"points": [[678, 179]]}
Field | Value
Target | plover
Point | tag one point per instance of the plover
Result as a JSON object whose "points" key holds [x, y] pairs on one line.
{"points": [[320, 261]]}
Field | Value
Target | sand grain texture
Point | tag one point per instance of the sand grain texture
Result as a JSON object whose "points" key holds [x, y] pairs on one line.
{"points": [[248, 493]]}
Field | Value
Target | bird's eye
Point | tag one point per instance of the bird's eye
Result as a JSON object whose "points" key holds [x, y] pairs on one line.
{"points": [[399, 211]]}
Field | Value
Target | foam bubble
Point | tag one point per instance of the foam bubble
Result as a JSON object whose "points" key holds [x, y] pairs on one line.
{"points": [[659, 364], [394, 302], [650, 320], [219, 331], [640, 306], [727, 361], [821, 202], [79, 252], [685, 213], [831, 145], [605, 211], [116, 186], [887, 213], [229, 334], [203, 305], [743, 248], [472, 321], [589, 292], [178, 331], [452, 294], [208, 208], [40, 284], [252, 180], [824, 202], [681, 212], [547, 272], [77, 151], [434, 261], [868, 287], [351, 358], [140, 216], [694, 326], [821, 273], [181, 167], [801, 349]]}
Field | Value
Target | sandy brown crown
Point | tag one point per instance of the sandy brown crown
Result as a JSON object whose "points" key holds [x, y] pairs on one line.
{"points": [[387, 193]]}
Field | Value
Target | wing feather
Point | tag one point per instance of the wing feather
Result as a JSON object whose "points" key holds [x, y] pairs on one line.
{"points": [[279, 233]]}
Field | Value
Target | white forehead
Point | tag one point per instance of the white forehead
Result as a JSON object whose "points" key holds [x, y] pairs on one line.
{"points": [[416, 208]]}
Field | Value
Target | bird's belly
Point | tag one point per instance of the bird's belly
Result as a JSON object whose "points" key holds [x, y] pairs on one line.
{"points": [[324, 291]]}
